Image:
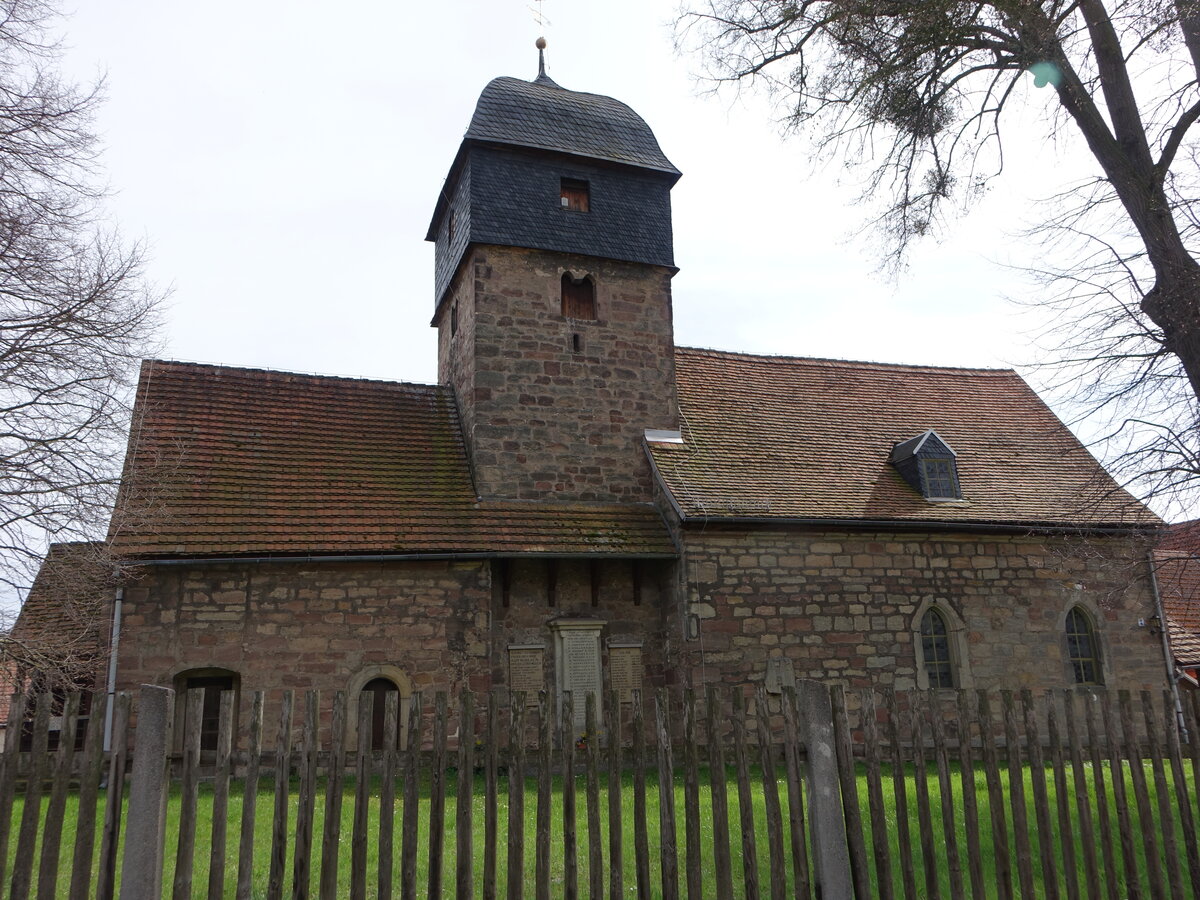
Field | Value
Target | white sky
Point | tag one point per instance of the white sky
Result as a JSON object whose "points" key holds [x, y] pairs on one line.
{"points": [[281, 161]]}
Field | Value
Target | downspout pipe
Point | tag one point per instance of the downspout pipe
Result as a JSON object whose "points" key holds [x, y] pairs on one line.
{"points": [[1165, 637], [113, 645]]}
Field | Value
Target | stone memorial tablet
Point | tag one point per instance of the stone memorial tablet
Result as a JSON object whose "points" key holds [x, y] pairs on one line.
{"points": [[525, 672], [577, 664], [625, 670]]}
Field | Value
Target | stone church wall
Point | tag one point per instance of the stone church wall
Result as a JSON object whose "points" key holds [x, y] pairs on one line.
{"points": [[845, 606], [299, 627], [632, 604]]}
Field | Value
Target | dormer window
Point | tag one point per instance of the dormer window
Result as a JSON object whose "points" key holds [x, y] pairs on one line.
{"points": [[928, 464], [573, 195]]}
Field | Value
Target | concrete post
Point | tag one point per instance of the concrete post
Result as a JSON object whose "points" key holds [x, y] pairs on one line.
{"points": [[141, 873], [826, 820]]}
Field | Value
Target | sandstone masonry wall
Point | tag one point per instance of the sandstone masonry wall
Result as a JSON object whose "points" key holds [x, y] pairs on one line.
{"points": [[843, 605], [631, 598], [290, 626], [541, 416]]}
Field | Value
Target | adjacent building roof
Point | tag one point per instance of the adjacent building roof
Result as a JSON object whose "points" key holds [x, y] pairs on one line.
{"points": [[542, 115], [226, 461], [62, 628], [782, 438], [1181, 536], [1178, 575]]}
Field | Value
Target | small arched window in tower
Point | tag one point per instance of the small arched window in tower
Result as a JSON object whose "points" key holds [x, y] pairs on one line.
{"points": [[578, 297], [935, 649], [451, 226], [1083, 651], [574, 195]]}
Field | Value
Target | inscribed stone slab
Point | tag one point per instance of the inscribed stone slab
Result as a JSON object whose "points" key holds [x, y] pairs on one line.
{"points": [[525, 672], [625, 671]]}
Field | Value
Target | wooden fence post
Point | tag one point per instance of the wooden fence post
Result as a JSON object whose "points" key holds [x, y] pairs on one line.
{"points": [[826, 821], [145, 824]]}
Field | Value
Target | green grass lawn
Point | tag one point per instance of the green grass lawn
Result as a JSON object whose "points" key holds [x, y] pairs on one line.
{"points": [[265, 808]]}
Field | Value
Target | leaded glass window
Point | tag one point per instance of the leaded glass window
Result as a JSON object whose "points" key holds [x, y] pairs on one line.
{"points": [[939, 477], [935, 648], [1082, 649]]}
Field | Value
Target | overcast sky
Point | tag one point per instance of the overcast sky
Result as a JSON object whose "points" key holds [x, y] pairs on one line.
{"points": [[281, 161]]}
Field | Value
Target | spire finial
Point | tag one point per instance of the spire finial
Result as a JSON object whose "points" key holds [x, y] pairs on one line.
{"points": [[540, 43]]}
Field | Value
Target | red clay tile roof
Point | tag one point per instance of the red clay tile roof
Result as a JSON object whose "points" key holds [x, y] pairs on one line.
{"points": [[238, 462], [1181, 536], [62, 628], [1178, 577], [779, 437]]}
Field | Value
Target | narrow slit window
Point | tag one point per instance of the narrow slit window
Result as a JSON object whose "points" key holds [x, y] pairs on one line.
{"points": [[574, 195], [935, 648], [578, 297]]}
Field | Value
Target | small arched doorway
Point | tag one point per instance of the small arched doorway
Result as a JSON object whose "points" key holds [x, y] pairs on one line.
{"points": [[213, 682], [379, 683], [379, 689]]}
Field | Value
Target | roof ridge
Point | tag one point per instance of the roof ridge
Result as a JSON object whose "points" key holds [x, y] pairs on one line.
{"points": [[829, 360], [263, 370]]}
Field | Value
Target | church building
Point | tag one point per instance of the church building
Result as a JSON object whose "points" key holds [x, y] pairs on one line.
{"points": [[579, 504]]}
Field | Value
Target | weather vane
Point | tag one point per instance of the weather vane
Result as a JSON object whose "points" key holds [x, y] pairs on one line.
{"points": [[539, 16]]}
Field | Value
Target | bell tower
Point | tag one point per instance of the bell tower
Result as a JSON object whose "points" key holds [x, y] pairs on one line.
{"points": [[552, 278]]}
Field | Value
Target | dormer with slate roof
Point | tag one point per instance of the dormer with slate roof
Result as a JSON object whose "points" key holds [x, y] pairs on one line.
{"points": [[928, 464], [552, 292]]}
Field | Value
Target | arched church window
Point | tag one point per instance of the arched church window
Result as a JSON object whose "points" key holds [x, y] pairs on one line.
{"points": [[935, 649], [1083, 650], [578, 297]]}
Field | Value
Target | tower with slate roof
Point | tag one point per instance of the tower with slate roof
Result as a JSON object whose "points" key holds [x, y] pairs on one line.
{"points": [[553, 267]]}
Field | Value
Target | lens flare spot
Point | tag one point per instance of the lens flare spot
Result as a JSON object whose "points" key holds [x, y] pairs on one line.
{"points": [[1045, 73]]}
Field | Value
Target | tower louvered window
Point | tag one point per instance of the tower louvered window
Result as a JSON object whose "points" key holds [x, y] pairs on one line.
{"points": [[578, 297], [574, 195]]}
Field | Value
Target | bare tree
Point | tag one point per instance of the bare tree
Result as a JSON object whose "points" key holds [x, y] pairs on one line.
{"points": [[919, 90], [75, 315], [58, 641]]}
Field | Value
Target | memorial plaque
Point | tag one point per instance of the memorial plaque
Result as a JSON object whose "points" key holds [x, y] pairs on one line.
{"points": [[577, 665], [525, 672], [625, 671]]}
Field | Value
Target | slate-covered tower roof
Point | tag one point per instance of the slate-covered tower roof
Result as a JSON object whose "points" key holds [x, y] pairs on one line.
{"points": [[525, 137]]}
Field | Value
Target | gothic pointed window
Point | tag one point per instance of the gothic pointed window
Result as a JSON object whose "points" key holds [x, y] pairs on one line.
{"points": [[935, 649], [578, 297], [1083, 651]]}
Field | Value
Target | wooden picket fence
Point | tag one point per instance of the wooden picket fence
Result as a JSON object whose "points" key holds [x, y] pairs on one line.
{"points": [[817, 792]]}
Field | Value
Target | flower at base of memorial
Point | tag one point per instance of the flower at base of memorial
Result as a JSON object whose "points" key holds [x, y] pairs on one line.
{"points": [[582, 742]]}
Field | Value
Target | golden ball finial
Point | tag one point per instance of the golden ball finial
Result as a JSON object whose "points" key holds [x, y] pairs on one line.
{"points": [[540, 43]]}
